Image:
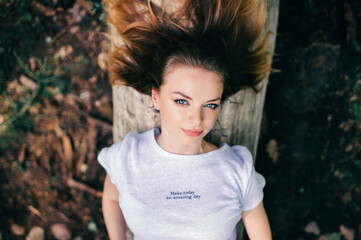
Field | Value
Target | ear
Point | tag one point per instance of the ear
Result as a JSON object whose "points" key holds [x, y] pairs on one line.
{"points": [[155, 98]]}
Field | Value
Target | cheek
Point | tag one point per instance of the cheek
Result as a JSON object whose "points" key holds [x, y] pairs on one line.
{"points": [[170, 112], [211, 116]]}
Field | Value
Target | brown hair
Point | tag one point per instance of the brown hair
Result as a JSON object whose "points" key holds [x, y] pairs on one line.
{"points": [[218, 35]]}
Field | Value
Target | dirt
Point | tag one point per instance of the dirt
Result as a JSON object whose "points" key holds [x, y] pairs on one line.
{"points": [[50, 174], [308, 146]]}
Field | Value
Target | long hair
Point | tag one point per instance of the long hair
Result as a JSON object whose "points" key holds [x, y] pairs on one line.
{"points": [[223, 33]]}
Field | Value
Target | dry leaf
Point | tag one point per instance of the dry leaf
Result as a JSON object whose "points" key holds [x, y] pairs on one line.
{"points": [[84, 4], [77, 12], [64, 51], [61, 231], [59, 97], [12, 86], [93, 79], [17, 230], [34, 210], [272, 151], [346, 198], [27, 82], [348, 234], [21, 155], [68, 150], [81, 186], [33, 110], [346, 126], [313, 228], [43, 9], [74, 29], [32, 64], [102, 61]]}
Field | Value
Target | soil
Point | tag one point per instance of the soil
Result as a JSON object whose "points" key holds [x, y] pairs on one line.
{"points": [[308, 146], [307, 151]]}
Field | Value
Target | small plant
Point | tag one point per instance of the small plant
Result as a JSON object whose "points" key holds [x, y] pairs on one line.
{"points": [[47, 79]]}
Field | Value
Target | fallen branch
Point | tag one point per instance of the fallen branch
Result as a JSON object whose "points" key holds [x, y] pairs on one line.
{"points": [[34, 210]]}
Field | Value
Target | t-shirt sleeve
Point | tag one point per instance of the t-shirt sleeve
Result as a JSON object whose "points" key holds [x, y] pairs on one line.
{"points": [[254, 190], [253, 182], [109, 159]]}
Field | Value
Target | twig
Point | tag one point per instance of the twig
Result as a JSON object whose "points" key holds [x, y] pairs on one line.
{"points": [[59, 34], [81, 186], [103, 124], [34, 210]]}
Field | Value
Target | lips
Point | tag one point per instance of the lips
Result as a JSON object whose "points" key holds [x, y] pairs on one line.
{"points": [[192, 133]]}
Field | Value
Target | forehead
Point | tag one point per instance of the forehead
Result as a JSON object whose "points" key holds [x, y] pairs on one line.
{"points": [[194, 80]]}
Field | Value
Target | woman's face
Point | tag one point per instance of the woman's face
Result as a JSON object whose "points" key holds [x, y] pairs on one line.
{"points": [[188, 101]]}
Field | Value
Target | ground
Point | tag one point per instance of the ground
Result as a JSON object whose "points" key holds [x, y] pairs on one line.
{"points": [[56, 115]]}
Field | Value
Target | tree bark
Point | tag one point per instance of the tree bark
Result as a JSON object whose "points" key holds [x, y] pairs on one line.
{"points": [[240, 116]]}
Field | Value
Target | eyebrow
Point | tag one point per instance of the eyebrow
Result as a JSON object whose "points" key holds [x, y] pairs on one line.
{"points": [[185, 96]]}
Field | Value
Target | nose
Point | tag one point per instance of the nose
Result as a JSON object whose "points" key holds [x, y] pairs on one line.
{"points": [[195, 115]]}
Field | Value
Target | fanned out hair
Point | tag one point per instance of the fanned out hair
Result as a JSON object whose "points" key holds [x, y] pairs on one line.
{"points": [[218, 35]]}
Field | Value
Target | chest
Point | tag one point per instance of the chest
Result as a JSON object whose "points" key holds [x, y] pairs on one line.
{"points": [[178, 201]]}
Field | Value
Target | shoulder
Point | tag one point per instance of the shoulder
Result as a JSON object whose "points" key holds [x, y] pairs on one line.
{"points": [[133, 138], [117, 157], [237, 161], [242, 155], [240, 163], [137, 137], [129, 143]]}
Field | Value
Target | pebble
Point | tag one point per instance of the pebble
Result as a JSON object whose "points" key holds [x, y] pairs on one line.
{"points": [[60, 231], [313, 228], [17, 230], [92, 227], [36, 233]]}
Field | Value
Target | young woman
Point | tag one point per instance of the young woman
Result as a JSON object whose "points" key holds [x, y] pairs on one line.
{"points": [[170, 183]]}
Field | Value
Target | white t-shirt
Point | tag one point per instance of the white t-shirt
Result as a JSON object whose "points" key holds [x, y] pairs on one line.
{"points": [[166, 196]]}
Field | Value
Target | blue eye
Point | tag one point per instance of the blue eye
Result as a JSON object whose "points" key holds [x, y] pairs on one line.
{"points": [[211, 106], [181, 101]]}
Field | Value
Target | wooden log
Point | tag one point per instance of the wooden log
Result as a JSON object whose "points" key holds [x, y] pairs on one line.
{"points": [[240, 116]]}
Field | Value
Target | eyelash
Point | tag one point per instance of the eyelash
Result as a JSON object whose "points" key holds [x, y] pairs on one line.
{"points": [[212, 106], [178, 101]]}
